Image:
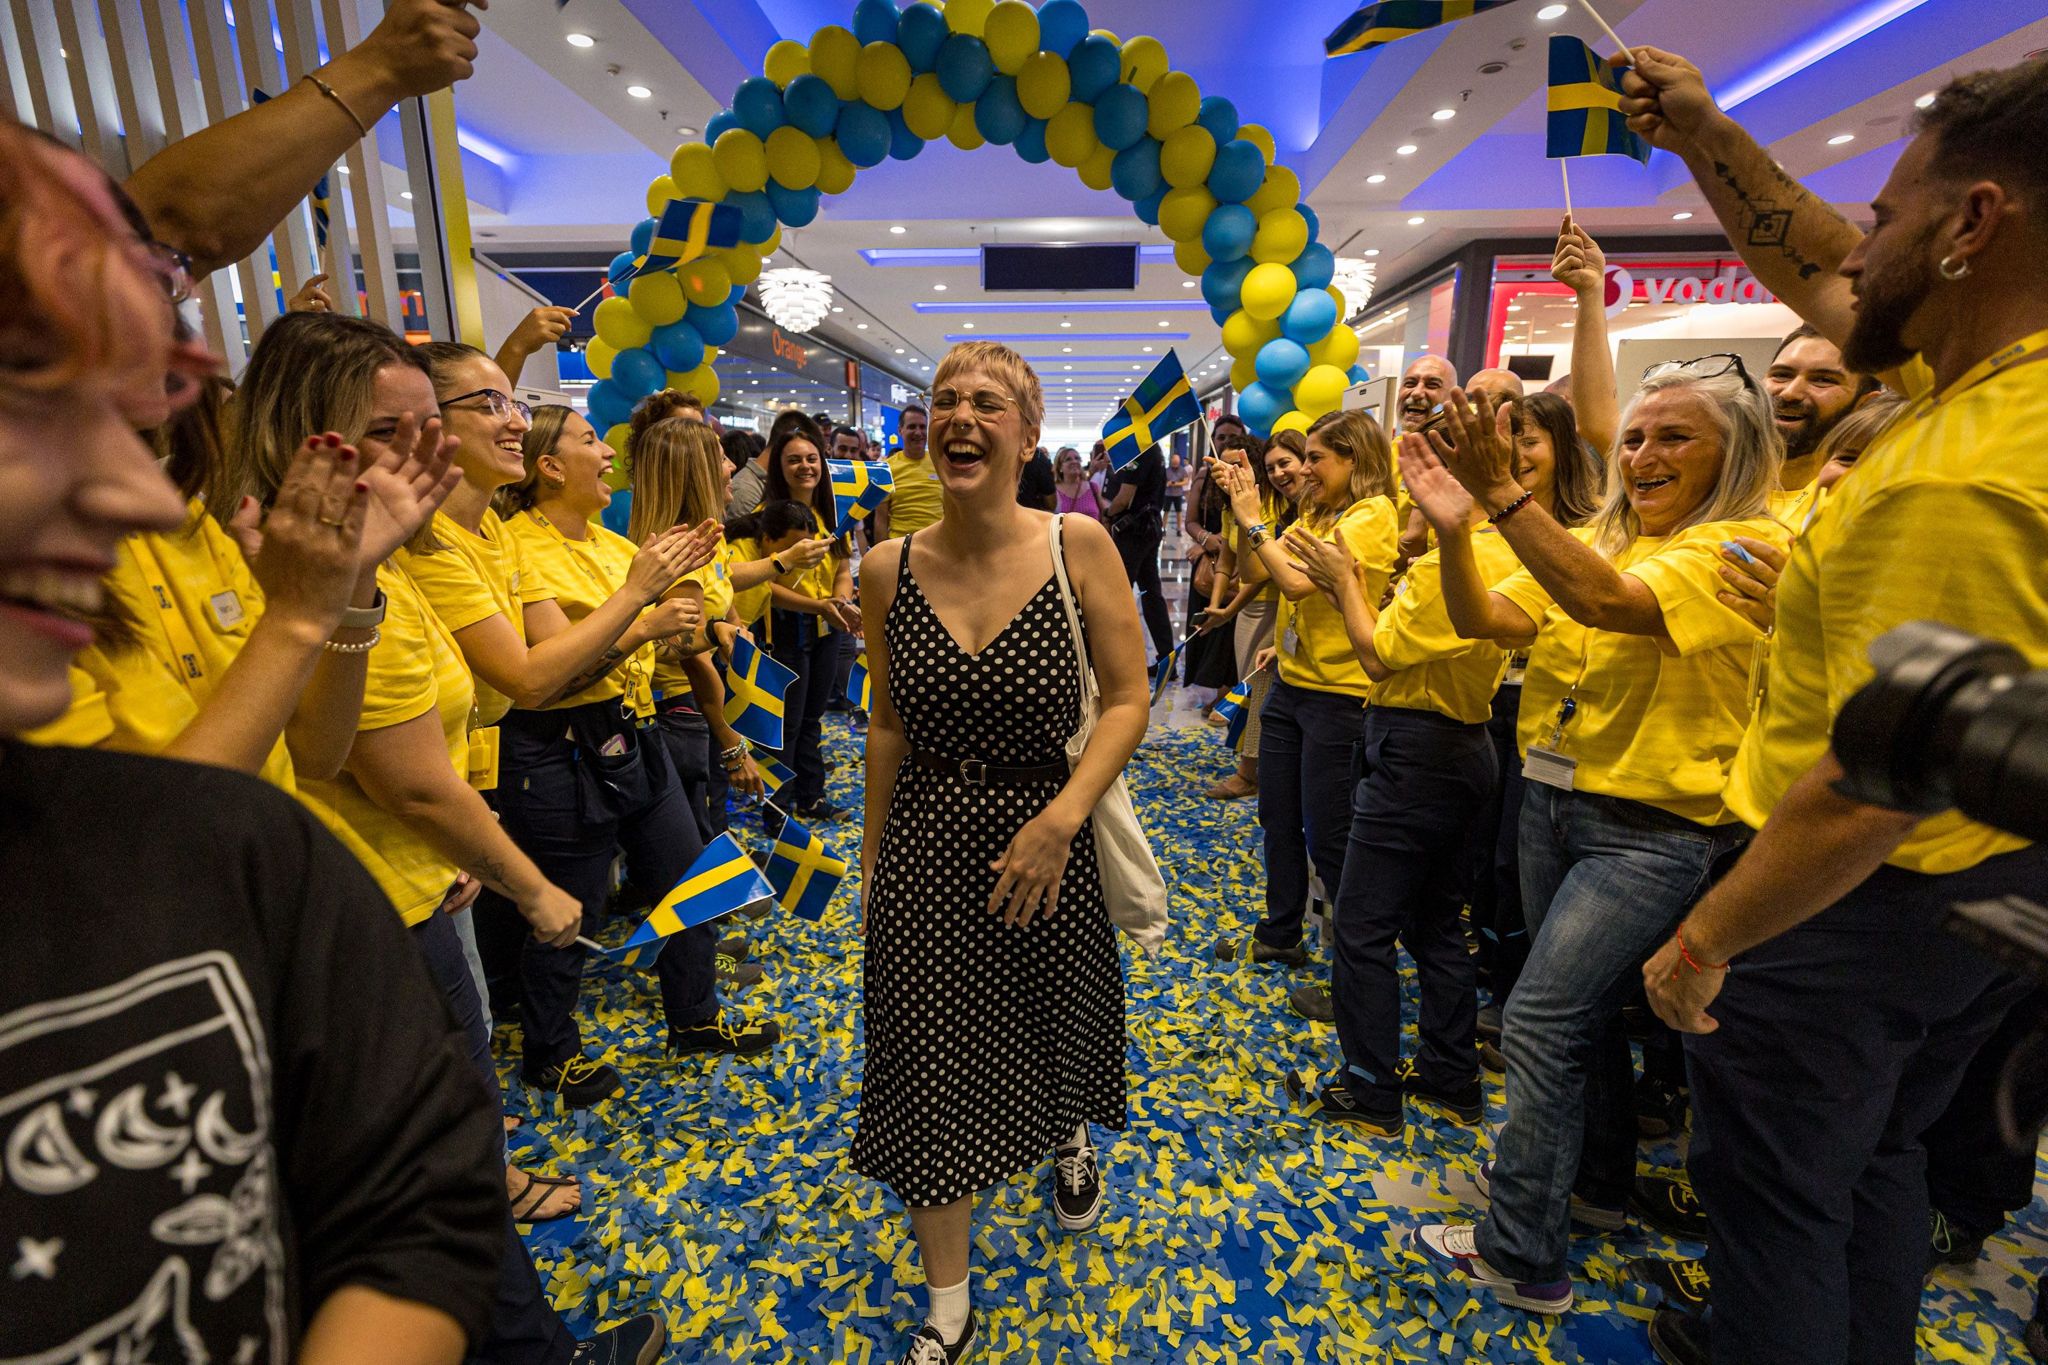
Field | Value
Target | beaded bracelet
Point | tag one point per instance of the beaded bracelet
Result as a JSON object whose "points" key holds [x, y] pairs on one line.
{"points": [[1504, 513], [359, 647]]}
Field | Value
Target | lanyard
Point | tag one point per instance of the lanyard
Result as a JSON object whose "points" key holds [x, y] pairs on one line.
{"points": [[2012, 355], [638, 674], [186, 659]]}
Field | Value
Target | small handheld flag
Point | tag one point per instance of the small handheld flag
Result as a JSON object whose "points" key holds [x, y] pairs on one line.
{"points": [[684, 230], [1376, 25], [1162, 405], [1584, 101], [805, 871], [1235, 707], [722, 880], [858, 689], [773, 774], [1162, 671], [858, 488], [754, 688]]}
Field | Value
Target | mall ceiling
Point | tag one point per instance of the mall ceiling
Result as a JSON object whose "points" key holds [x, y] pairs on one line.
{"points": [[562, 148]]}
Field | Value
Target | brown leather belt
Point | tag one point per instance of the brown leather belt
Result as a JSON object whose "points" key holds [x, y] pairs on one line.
{"points": [[975, 773]]}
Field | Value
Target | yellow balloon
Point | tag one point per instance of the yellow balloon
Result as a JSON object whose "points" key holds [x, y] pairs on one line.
{"points": [[928, 109], [793, 158], [1070, 136], [659, 191], [1268, 290], [1243, 334], [835, 172], [1095, 171], [1244, 372], [1281, 189], [701, 382], [835, 57], [1187, 156], [598, 355], [1293, 421], [619, 326], [1282, 236], [742, 159], [962, 133], [968, 16], [742, 263], [1144, 63], [1174, 100], [616, 438], [1183, 212], [705, 281], [1191, 257], [767, 248], [1105, 33], [884, 76], [1260, 138], [1339, 348], [657, 298], [1320, 390], [695, 172], [1011, 33], [1044, 85], [787, 60]]}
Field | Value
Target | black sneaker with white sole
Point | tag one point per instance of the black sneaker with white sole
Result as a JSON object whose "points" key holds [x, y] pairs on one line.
{"points": [[580, 1081], [1076, 1186], [638, 1341], [1464, 1103], [1682, 1283], [927, 1347], [1668, 1204]]}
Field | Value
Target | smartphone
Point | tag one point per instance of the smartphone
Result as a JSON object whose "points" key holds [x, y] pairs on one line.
{"points": [[1732, 548], [1439, 418]]}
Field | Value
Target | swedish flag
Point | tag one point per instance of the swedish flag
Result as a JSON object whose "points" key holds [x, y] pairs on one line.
{"points": [[1376, 25], [1162, 671], [859, 690], [773, 774], [805, 871], [722, 880], [1585, 106], [686, 229], [858, 488], [1162, 405], [1235, 706], [754, 687]]}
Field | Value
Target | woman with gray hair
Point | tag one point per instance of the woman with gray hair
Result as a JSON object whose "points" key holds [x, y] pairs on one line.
{"points": [[1636, 698]]}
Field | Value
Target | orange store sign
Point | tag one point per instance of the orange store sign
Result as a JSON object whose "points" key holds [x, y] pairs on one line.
{"points": [[785, 349]]}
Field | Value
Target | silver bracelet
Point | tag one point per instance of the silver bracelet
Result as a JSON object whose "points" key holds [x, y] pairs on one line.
{"points": [[359, 647], [324, 88]]}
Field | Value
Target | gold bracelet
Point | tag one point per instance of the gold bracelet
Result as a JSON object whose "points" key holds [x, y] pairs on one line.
{"points": [[324, 88]]}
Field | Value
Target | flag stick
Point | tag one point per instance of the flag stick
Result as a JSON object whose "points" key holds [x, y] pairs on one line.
{"points": [[1564, 165], [1604, 28], [591, 295], [591, 944]]}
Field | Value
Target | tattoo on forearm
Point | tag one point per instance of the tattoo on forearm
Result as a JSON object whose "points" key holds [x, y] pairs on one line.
{"points": [[490, 872], [610, 660], [1768, 222]]}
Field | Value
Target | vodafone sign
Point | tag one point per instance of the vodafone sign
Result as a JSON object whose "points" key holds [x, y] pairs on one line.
{"points": [[1731, 285]]}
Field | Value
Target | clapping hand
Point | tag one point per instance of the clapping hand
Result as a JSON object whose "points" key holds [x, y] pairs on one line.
{"points": [[1441, 498], [1239, 486], [1476, 444], [407, 484], [1326, 563]]}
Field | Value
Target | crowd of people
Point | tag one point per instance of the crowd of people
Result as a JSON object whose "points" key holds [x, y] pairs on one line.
{"points": [[1541, 689]]}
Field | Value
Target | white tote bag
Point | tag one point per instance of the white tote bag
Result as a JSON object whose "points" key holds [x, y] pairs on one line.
{"points": [[1131, 884]]}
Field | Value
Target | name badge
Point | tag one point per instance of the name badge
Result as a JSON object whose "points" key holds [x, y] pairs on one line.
{"points": [[483, 758], [226, 608], [1290, 642], [1549, 767]]}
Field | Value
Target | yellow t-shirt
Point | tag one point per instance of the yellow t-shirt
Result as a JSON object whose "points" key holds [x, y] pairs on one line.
{"points": [[477, 575], [415, 670], [1315, 649], [749, 604], [1435, 669], [1648, 724], [1796, 506], [914, 499], [818, 580], [1945, 519], [1233, 536], [715, 579], [581, 575]]}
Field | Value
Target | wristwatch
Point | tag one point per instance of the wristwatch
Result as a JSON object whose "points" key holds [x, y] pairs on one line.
{"points": [[1257, 534], [776, 560], [364, 618]]}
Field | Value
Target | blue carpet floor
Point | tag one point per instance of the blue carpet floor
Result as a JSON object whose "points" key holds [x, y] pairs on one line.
{"points": [[719, 1194]]}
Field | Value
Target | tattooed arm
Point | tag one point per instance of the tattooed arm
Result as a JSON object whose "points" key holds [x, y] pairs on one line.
{"points": [[591, 676], [1792, 239]]}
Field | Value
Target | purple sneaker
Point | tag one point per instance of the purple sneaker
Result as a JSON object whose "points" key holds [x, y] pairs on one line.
{"points": [[1450, 1248]]}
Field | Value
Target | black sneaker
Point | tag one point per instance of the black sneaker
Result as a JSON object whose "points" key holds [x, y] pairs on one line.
{"points": [[1668, 1204], [1679, 1338], [738, 947], [1239, 949], [736, 975], [822, 812], [1583, 1212], [1489, 1023], [716, 1035], [1312, 1003], [927, 1347], [1465, 1103], [580, 1081], [1660, 1109], [1334, 1104], [1076, 1186], [1683, 1284], [1491, 1057], [638, 1341], [1948, 1244]]}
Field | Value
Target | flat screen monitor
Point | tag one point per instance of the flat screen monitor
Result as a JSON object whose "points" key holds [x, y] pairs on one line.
{"points": [[1059, 267]]}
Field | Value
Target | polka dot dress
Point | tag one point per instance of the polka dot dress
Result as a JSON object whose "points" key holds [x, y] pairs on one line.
{"points": [[985, 1044]]}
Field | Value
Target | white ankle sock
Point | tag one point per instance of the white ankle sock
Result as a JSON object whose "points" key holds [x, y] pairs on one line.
{"points": [[1080, 1134], [948, 1311]]}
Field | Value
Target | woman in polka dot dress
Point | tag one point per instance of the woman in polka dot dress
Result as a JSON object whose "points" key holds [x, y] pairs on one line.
{"points": [[994, 993]]}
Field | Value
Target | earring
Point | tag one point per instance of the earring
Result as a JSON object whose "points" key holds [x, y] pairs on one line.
{"points": [[1952, 270]]}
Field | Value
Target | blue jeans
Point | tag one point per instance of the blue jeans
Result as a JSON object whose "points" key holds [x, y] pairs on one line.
{"points": [[1305, 778], [1604, 882]]}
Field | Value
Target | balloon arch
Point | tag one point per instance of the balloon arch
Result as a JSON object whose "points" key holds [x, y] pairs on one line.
{"points": [[976, 72]]}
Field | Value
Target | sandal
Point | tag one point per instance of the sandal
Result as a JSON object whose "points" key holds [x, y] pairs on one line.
{"points": [[528, 1204], [1233, 788]]}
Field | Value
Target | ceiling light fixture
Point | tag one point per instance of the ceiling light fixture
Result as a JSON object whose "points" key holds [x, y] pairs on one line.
{"points": [[1067, 350], [898, 229], [860, 326], [1372, 251], [1549, 12], [837, 309], [1839, 138], [1376, 179], [1405, 149], [639, 92], [796, 300], [1416, 221], [1924, 100], [1444, 115], [1681, 216], [1354, 280], [940, 288], [581, 40], [405, 194], [1066, 324], [968, 325], [683, 130], [1185, 284], [899, 350]]}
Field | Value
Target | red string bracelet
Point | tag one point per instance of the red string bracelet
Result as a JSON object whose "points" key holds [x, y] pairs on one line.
{"points": [[1699, 968]]}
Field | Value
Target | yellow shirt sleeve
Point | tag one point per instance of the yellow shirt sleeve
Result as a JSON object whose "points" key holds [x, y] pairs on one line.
{"points": [[1684, 579], [454, 587], [401, 684], [85, 724], [1321, 658]]}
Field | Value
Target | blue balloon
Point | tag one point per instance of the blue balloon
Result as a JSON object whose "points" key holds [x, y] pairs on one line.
{"points": [[739, 291], [921, 32], [864, 134], [757, 215], [1031, 143], [997, 114], [1310, 317], [1238, 172], [759, 106], [1148, 207], [1061, 24], [874, 21], [903, 144], [678, 347], [618, 513], [1134, 173], [1360, 375], [795, 207], [1120, 115], [637, 373], [1219, 316], [811, 105], [621, 270], [1315, 267], [1222, 281], [643, 236], [1315, 224], [725, 120], [1219, 116], [717, 324], [1261, 405], [1094, 65], [1229, 232], [1281, 362], [608, 403], [964, 67]]}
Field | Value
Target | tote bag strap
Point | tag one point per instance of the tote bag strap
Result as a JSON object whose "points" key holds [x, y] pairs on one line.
{"points": [[1059, 570]]}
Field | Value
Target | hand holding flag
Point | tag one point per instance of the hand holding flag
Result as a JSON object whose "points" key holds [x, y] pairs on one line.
{"points": [[722, 880], [858, 488], [1162, 405], [754, 688]]}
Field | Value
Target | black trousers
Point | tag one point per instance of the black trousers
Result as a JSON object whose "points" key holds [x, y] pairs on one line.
{"points": [[1414, 814], [1840, 1043], [688, 738], [1306, 739], [808, 647], [1140, 552], [1496, 861], [1973, 1177]]}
